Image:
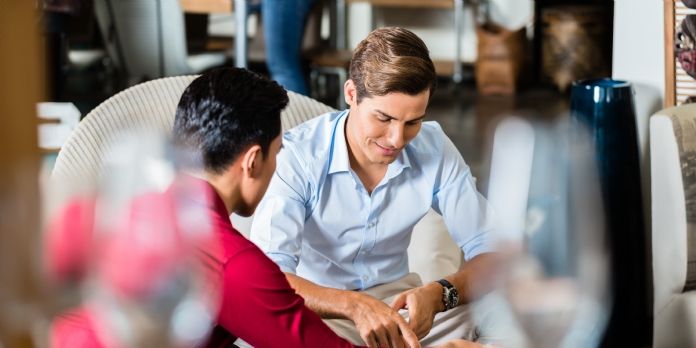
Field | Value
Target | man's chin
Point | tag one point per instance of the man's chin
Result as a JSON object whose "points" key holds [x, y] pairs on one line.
{"points": [[385, 160]]}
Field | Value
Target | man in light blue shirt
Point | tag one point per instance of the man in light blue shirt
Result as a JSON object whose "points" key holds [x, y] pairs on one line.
{"points": [[348, 190]]}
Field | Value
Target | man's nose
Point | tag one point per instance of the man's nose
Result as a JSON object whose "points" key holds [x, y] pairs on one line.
{"points": [[396, 135]]}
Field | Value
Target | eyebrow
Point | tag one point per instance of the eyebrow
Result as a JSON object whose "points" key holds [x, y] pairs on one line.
{"points": [[394, 118]]}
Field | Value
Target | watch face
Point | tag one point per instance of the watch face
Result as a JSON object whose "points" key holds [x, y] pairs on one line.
{"points": [[452, 297]]}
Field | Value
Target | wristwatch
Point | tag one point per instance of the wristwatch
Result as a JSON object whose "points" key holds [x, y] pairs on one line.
{"points": [[450, 296]]}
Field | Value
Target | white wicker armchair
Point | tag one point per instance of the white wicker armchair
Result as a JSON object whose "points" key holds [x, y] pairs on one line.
{"points": [[151, 106]]}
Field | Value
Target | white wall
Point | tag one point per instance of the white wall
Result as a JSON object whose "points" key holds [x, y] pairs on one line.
{"points": [[639, 57], [639, 42]]}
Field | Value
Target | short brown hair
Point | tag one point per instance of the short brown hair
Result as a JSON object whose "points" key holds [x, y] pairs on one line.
{"points": [[390, 60]]}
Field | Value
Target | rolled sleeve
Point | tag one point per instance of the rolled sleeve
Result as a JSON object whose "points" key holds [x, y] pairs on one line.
{"points": [[467, 214], [287, 263], [279, 218]]}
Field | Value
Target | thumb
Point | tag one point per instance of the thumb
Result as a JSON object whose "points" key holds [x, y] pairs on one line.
{"points": [[399, 302]]}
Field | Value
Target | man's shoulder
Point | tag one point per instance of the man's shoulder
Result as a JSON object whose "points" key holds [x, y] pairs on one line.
{"points": [[314, 130], [310, 140], [430, 139]]}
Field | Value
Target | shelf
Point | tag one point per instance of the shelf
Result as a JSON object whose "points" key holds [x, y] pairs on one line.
{"points": [[444, 4]]}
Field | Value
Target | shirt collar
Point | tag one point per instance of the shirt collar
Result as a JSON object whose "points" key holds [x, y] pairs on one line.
{"points": [[339, 146], [339, 152], [200, 192], [402, 162]]}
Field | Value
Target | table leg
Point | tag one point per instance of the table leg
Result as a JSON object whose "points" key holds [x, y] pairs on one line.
{"points": [[340, 24], [240, 43], [458, 19]]}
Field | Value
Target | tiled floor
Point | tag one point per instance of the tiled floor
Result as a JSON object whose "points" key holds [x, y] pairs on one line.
{"points": [[469, 118]]}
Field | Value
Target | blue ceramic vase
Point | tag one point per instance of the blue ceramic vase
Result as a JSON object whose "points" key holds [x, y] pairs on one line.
{"points": [[606, 108]]}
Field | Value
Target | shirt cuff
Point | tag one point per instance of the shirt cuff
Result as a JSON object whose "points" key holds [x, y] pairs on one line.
{"points": [[287, 263]]}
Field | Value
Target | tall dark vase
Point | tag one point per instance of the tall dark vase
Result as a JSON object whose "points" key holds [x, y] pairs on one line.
{"points": [[607, 108]]}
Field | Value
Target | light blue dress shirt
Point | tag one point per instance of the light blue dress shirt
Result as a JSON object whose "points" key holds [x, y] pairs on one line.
{"points": [[318, 221]]}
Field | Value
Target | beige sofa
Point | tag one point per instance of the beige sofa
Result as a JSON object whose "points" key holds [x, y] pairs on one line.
{"points": [[673, 165]]}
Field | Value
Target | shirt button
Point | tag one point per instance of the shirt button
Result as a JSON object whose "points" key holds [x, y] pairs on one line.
{"points": [[365, 278]]}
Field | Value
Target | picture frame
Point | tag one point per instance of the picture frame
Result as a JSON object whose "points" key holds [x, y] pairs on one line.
{"points": [[680, 86], [670, 59]]}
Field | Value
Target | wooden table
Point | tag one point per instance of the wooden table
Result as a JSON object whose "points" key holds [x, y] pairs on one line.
{"points": [[206, 6], [409, 3], [241, 49]]}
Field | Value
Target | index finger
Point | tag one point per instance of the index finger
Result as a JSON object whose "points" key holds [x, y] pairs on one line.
{"points": [[409, 336]]}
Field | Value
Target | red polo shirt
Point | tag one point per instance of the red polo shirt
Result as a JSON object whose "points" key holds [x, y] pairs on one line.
{"points": [[257, 303]]}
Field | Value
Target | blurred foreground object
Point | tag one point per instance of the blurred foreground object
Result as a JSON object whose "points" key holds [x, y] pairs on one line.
{"points": [[145, 285], [23, 296], [545, 190]]}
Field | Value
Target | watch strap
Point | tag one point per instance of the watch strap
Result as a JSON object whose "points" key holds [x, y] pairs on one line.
{"points": [[445, 283]]}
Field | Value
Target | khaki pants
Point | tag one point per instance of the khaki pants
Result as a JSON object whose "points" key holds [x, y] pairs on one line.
{"points": [[455, 323]]}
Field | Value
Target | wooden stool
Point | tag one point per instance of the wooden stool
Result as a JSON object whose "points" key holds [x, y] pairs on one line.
{"points": [[331, 62]]}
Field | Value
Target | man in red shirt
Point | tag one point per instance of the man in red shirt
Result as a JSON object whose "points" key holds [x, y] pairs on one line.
{"points": [[229, 119]]}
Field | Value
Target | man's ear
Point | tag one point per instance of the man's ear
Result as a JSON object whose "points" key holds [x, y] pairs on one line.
{"points": [[350, 92], [252, 160]]}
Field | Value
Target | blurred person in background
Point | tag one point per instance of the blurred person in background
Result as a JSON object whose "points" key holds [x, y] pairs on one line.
{"points": [[283, 26]]}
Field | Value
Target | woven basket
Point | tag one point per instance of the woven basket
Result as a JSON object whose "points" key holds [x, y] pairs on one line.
{"points": [[576, 44]]}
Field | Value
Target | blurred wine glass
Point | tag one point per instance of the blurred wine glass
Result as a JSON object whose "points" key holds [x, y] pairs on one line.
{"points": [[545, 191], [144, 282]]}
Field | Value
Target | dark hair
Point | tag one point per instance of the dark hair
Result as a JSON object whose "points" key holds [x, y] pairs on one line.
{"points": [[392, 60], [224, 111]]}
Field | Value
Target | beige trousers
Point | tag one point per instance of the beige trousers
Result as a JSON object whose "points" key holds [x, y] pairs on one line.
{"points": [[455, 323]]}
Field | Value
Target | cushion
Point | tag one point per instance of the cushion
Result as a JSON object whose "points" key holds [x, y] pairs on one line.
{"points": [[433, 254], [685, 133]]}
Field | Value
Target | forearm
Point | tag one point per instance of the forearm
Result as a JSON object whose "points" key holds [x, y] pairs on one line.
{"points": [[328, 303], [476, 277], [377, 323]]}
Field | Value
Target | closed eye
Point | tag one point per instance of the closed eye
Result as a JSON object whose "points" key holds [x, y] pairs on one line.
{"points": [[383, 118]]}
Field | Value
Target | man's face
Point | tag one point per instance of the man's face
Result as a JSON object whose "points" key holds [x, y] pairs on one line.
{"points": [[256, 188], [379, 127]]}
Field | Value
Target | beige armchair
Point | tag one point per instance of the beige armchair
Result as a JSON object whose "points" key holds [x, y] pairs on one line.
{"points": [[673, 181]]}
